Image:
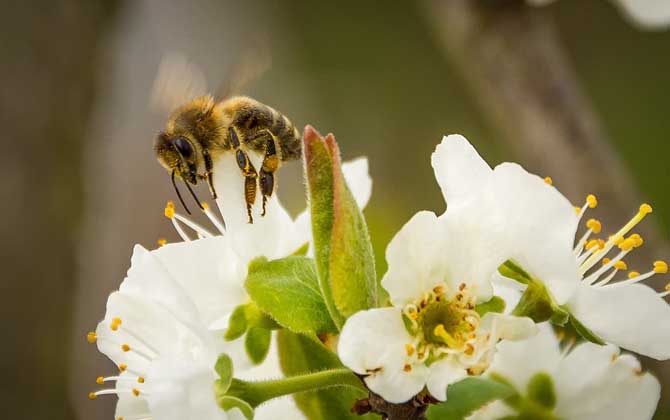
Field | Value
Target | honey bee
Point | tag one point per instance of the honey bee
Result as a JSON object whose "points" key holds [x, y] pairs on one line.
{"points": [[202, 129]]}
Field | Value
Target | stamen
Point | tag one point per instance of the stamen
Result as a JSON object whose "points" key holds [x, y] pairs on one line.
{"points": [[667, 291], [407, 368], [212, 218], [161, 242], [126, 348], [170, 214], [616, 262], [96, 394], [91, 337], [643, 211], [594, 225], [409, 349], [116, 323], [660, 267], [194, 226], [548, 180]]}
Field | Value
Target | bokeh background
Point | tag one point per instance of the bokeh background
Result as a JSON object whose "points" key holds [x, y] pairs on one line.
{"points": [[81, 184]]}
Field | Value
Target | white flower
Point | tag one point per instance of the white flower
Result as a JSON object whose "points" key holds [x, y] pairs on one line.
{"points": [[432, 336], [164, 353], [213, 269], [648, 14], [590, 382], [529, 219]]}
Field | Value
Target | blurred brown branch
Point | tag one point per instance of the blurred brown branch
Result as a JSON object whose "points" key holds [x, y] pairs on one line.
{"points": [[515, 66]]}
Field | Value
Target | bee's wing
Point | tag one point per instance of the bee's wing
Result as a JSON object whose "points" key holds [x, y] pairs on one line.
{"points": [[178, 81], [254, 62]]}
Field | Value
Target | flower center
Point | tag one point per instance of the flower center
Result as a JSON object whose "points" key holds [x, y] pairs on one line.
{"points": [[446, 323]]}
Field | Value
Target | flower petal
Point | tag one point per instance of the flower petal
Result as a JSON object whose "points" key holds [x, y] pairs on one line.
{"points": [[415, 259], [442, 374], [650, 14], [595, 383], [372, 343], [494, 411], [633, 317], [519, 361], [357, 175], [532, 223], [459, 169]]}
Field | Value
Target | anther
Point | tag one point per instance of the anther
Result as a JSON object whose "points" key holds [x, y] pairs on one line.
{"points": [[407, 367], [114, 325], [592, 201], [99, 380], [633, 274], [162, 242], [594, 225], [660, 267], [91, 337], [621, 265], [92, 396], [645, 209], [125, 348], [409, 349], [140, 379], [578, 210], [549, 181], [136, 392], [169, 210], [606, 261], [123, 367]]}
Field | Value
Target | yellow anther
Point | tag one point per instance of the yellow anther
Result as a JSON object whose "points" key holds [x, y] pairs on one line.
{"points": [[123, 367], [91, 337], [645, 209], [578, 209], [409, 349], [114, 325], [119, 418], [99, 380], [601, 243], [136, 392], [549, 181], [92, 396], [169, 210], [660, 267], [592, 201], [592, 243], [633, 274], [627, 244], [438, 290], [621, 265], [594, 225], [469, 349], [162, 242], [667, 287], [140, 379], [125, 348], [205, 206], [606, 261], [637, 239], [407, 367], [414, 315]]}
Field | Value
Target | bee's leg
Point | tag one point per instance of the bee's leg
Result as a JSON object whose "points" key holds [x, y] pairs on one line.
{"points": [[209, 173], [248, 171], [270, 165]]}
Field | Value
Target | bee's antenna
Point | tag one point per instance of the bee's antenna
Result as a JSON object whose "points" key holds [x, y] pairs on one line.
{"points": [[174, 184], [195, 197]]}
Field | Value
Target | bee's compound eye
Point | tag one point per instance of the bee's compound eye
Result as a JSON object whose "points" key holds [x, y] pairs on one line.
{"points": [[184, 146]]}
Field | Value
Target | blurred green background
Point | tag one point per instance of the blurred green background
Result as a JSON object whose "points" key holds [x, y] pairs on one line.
{"points": [[81, 184]]}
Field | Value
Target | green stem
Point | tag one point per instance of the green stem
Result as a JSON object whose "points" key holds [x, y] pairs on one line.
{"points": [[255, 393]]}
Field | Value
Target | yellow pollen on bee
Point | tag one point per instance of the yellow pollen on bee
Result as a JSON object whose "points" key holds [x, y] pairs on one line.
{"points": [[621, 265], [633, 274], [140, 379], [162, 242], [99, 380], [409, 349], [407, 367], [594, 225], [125, 348], [136, 392], [123, 367], [548, 181], [92, 396], [91, 337], [592, 201], [660, 267], [169, 210]]}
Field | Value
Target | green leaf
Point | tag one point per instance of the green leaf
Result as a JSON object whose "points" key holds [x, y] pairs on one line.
{"points": [[288, 291], [257, 344], [541, 390], [468, 395], [229, 403], [585, 332], [302, 251], [224, 368], [247, 316], [512, 270], [344, 256], [495, 304], [299, 354]]}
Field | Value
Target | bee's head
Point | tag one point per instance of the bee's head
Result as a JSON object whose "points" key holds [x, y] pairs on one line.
{"points": [[178, 154]]}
